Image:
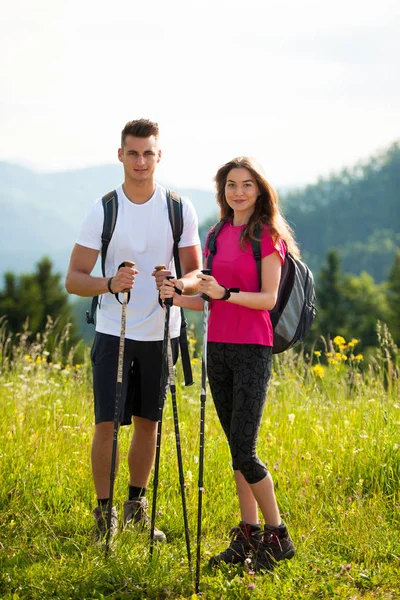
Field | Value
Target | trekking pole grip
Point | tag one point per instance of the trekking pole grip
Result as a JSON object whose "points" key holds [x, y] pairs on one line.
{"points": [[130, 264], [169, 301], [206, 272]]}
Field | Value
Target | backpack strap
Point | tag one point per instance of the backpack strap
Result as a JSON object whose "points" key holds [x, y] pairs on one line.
{"points": [[256, 247], [211, 243], [175, 214], [110, 208]]}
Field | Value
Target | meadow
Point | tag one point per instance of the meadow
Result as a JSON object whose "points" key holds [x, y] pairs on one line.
{"points": [[330, 436]]}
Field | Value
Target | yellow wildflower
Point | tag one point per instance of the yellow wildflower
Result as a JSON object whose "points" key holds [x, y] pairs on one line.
{"points": [[359, 357], [339, 340], [317, 353], [353, 343], [77, 366], [27, 358], [318, 370]]}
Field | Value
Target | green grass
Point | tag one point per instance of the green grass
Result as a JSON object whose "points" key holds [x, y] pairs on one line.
{"points": [[330, 436]]}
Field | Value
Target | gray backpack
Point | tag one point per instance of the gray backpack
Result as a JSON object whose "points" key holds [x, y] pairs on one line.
{"points": [[294, 311]]}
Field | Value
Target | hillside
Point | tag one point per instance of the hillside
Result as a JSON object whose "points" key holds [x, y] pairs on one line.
{"points": [[355, 211]]}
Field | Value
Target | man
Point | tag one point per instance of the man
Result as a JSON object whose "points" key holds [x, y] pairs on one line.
{"points": [[142, 235]]}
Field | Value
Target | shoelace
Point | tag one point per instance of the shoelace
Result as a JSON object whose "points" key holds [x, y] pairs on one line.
{"points": [[239, 532]]}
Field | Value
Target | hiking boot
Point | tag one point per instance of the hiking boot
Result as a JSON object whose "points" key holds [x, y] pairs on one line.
{"points": [[241, 546], [274, 544], [100, 523], [135, 516]]}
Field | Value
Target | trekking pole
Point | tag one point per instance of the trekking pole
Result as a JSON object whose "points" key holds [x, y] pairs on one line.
{"points": [[202, 419], [168, 303], [118, 392], [163, 377], [177, 438]]}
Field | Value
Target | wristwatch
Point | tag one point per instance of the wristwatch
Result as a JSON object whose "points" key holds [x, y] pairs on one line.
{"points": [[228, 292]]}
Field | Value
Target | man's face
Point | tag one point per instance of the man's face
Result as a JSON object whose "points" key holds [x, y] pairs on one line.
{"points": [[139, 157]]}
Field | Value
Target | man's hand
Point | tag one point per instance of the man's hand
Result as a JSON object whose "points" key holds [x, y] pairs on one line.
{"points": [[124, 279], [160, 274]]}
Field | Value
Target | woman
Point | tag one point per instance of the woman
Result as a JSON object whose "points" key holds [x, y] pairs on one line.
{"points": [[239, 354]]}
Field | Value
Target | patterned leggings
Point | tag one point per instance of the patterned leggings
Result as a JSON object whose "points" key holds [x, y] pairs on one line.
{"points": [[239, 375]]}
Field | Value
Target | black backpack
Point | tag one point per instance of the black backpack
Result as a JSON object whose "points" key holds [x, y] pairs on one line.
{"points": [[294, 311], [174, 203]]}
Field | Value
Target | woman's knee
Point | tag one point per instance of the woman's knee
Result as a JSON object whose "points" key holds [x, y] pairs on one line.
{"points": [[251, 467]]}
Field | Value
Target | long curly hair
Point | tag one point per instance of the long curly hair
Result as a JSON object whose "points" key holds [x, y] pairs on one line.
{"points": [[266, 210]]}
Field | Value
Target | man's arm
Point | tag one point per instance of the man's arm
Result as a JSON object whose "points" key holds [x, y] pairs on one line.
{"points": [[79, 280], [190, 259]]}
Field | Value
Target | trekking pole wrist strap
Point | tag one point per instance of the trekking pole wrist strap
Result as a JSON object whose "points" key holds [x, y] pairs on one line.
{"points": [[109, 285]]}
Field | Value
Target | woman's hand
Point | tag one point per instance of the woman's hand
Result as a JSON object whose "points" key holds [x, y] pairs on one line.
{"points": [[167, 290], [210, 286]]}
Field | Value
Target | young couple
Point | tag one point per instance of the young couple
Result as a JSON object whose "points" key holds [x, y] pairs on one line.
{"points": [[239, 358]]}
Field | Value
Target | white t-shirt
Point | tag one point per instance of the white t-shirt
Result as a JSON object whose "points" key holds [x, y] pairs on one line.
{"points": [[143, 235]]}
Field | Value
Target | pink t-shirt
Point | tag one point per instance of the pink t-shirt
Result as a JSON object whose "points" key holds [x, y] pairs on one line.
{"points": [[234, 267]]}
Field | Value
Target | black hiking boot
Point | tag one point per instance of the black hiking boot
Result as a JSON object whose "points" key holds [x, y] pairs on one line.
{"points": [[100, 524], [241, 545], [136, 516], [274, 544]]}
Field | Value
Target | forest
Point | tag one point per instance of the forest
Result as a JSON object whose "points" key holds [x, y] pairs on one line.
{"points": [[348, 228]]}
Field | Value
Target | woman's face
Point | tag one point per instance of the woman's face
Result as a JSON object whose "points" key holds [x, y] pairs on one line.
{"points": [[241, 191]]}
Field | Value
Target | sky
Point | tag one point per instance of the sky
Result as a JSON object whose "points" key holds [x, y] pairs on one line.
{"points": [[307, 87]]}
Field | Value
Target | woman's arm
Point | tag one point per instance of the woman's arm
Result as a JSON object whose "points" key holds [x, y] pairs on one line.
{"points": [[167, 290], [263, 300]]}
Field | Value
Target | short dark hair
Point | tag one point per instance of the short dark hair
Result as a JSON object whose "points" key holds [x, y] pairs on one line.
{"points": [[142, 128]]}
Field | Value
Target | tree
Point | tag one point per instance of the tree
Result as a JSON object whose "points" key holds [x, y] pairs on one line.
{"points": [[365, 304], [35, 297], [393, 298], [331, 317]]}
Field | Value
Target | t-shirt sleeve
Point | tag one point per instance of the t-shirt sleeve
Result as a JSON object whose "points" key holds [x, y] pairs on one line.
{"points": [[92, 227], [268, 246], [190, 233]]}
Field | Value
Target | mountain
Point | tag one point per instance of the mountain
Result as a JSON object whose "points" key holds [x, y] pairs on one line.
{"points": [[41, 213], [355, 211]]}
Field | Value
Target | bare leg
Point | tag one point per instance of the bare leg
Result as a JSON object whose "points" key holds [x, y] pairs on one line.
{"points": [[247, 502], [101, 457], [142, 451], [265, 496]]}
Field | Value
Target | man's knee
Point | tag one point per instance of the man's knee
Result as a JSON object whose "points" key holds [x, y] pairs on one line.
{"points": [[104, 431], [144, 426]]}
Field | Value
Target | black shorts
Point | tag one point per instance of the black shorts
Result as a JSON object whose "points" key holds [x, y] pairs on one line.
{"points": [[141, 377]]}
